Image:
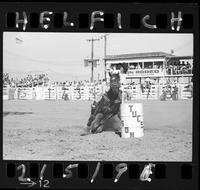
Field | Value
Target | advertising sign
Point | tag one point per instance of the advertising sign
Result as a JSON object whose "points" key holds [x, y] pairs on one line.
{"points": [[145, 72]]}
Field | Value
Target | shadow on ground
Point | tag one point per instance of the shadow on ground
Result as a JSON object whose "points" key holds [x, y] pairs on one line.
{"points": [[16, 113]]}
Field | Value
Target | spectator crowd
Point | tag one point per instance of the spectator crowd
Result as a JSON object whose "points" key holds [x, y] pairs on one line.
{"points": [[42, 79], [79, 83], [179, 69], [28, 81]]}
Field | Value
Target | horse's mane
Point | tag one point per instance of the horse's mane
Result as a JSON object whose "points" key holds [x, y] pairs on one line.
{"points": [[114, 81]]}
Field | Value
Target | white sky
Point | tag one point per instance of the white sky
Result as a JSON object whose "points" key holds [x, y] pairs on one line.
{"points": [[62, 55]]}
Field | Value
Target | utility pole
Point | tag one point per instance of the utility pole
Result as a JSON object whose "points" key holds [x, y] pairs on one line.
{"points": [[105, 48], [92, 57]]}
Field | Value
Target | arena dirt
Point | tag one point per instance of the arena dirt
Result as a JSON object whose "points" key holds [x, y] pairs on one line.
{"points": [[50, 130]]}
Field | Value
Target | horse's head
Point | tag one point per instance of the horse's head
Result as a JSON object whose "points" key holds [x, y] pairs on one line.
{"points": [[114, 82]]}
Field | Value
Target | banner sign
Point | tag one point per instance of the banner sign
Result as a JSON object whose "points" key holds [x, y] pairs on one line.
{"points": [[145, 72]]}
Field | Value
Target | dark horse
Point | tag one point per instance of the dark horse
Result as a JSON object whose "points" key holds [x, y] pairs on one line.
{"points": [[105, 114]]}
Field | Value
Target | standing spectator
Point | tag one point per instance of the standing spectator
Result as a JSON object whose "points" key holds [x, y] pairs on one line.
{"points": [[164, 94], [175, 92]]}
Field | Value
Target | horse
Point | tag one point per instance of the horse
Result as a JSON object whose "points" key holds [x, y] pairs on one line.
{"points": [[105, 114]]}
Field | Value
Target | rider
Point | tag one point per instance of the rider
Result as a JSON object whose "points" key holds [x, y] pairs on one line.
{"points": [[148, 82]]}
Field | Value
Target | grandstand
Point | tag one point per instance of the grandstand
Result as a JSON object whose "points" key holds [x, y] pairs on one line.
{"points": [[159, 66]]}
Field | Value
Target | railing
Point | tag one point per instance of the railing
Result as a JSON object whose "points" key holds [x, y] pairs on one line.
{"points": [[130, 92]]}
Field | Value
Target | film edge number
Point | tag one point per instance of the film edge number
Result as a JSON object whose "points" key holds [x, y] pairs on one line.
{"points": [[44, 183]]}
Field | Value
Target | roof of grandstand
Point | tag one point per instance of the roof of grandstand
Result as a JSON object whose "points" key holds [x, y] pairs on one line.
{"points": [[138, 55], [182, 57]]}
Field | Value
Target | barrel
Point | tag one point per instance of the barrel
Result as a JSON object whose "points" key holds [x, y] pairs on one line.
{"points": [[132, 120]]}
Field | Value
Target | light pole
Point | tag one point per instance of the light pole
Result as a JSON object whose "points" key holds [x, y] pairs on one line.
{"points": [[92, 40], [105, 49]]}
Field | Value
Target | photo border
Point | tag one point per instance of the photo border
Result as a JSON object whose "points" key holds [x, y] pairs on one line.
{"points": [[173, 174]]}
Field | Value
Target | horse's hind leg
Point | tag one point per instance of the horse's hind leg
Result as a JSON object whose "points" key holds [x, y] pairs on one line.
{"points": [[113, 124]]}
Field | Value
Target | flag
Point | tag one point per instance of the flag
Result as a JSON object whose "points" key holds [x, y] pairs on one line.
{"points": [[18, 40]]}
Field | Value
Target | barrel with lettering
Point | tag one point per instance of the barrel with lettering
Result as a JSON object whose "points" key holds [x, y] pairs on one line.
{"points": [[132, 120]]}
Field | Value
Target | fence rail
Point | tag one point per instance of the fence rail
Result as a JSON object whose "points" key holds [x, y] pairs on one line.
{"points": [[130, 92]]}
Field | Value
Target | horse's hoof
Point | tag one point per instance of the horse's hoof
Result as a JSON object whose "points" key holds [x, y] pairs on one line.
{"points": [[118, 133], [86, 133]]}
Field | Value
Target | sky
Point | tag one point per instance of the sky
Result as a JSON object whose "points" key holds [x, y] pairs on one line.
{"points": [[61, 55]]}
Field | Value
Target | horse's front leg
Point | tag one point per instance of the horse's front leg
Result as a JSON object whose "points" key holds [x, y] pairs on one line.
{"points": [[99, 129], [96, 126]]}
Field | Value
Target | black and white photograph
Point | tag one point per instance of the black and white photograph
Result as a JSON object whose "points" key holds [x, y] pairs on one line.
{"points": [[97, 96]]}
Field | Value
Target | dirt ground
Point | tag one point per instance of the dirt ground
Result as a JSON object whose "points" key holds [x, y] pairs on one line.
{"points": [[50, 130]]}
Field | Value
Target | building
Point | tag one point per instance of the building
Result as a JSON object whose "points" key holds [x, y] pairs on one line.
{"points": [[158, 66]]}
